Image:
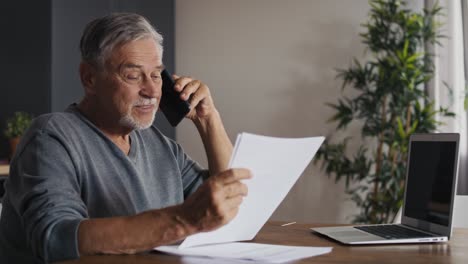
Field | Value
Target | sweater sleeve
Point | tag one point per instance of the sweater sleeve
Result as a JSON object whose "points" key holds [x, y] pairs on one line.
{"points": [[45, 192], [193, 174]]}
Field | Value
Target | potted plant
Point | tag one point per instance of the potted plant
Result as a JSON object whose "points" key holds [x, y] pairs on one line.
{"points": [[15, 127], [390, 103]]}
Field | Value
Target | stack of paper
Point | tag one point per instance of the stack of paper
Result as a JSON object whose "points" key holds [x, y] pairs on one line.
{"points": [[276, 164], [248, 251]]}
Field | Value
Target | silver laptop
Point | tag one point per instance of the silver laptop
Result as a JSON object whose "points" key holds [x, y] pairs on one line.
{"points": [[430, 190]]}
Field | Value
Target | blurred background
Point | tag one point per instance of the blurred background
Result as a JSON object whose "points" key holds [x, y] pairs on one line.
{"points": [[270, 65]]}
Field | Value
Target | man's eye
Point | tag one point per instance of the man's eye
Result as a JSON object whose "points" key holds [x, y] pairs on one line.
{"points": [[156, 77], [132, 77]]}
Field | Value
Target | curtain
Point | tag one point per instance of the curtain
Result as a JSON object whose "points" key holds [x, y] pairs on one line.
{"points": [[463, 182], [447, 88]]}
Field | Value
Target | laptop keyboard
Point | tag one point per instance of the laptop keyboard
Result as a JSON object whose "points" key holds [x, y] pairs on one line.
{"points": [[392, 231]]}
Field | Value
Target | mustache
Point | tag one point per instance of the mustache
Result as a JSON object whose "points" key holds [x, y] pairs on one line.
{"points": [[145, 101]]}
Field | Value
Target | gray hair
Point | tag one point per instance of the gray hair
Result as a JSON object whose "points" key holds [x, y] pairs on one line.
{"points": [[102, 35]]}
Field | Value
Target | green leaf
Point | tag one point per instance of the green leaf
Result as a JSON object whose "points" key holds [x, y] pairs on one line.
{"points": [[401, 130], [17, 124], [405, 50]]}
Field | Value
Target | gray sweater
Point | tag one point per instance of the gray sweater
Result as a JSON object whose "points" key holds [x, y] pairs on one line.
{"points": [[66, 170]]}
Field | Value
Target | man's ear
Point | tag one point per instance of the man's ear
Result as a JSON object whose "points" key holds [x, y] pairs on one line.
{"points": [[88, 77]]}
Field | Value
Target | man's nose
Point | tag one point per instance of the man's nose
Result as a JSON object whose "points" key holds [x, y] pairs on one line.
{"points": [[151, 88]]}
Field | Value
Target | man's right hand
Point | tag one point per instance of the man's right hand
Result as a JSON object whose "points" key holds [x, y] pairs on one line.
{"points": [[214, 204], [217, 201]]}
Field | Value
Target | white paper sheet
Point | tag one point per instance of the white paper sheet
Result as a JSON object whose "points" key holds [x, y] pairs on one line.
{"points": [[248, 251], [276, 164]]}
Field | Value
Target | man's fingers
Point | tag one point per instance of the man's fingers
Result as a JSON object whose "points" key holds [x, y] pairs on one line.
{"points": [[189, 89], [233, 175], [201, 93], [230, 209], [234, 203], [181, 82], [236, 189]]}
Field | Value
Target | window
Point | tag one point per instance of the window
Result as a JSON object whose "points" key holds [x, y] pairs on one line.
{"points": [[463, 177], [465, 37]]}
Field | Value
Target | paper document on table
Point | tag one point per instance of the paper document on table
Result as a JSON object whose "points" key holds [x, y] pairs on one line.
{"points": [[276, 164], [248, 251]]}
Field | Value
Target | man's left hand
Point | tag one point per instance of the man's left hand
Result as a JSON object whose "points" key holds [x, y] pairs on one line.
{"points": [[197, 94]]}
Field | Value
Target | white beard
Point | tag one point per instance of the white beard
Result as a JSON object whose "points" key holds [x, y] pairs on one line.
{"points": [[131, 122]]}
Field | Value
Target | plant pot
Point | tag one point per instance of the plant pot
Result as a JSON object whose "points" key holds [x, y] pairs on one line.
{"points": [[13, 143]]}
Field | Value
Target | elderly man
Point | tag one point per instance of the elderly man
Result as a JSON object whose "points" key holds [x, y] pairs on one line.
{"points": [[99, 178]]}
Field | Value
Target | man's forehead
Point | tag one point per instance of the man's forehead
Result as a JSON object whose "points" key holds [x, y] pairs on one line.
{"points": [[144, 53], [131, 65]]}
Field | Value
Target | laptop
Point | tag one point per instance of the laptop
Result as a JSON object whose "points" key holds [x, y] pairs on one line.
{"points": [[430, 189]]}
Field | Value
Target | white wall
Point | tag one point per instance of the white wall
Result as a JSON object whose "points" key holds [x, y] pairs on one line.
{"points": [[270, 67]]}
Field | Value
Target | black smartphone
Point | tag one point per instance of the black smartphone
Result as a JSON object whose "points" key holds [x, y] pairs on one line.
{"points": [[174, 108]]}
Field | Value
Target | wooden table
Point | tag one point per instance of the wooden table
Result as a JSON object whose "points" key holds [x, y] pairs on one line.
{"points": [[455, 251]]}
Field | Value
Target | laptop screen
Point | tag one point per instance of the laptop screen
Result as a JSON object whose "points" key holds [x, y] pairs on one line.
{"points": [[430, 181]]}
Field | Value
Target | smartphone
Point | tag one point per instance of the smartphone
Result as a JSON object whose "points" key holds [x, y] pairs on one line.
{"points": [[174, 108]]}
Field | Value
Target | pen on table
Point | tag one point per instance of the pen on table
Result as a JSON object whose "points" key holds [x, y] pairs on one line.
{"points": [[291, 223]]}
